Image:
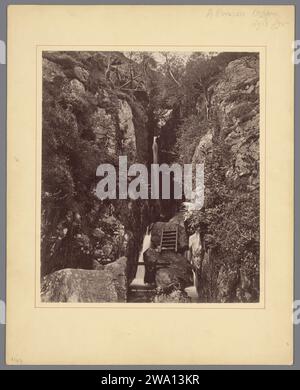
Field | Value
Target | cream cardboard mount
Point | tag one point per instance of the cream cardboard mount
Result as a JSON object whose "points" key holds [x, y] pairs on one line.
{"points": [[85, 333]]}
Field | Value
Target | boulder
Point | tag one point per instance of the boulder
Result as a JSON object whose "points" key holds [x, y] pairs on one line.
{"points": [[108, 284], [167, 268]]}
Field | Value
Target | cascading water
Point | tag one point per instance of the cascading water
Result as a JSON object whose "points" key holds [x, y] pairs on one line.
{"points": [[192, 291], [155, 150], [140, 273], [140, 291]]}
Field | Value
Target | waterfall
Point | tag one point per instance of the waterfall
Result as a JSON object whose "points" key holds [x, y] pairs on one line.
{"points": [[140, 273], [155, 150]]}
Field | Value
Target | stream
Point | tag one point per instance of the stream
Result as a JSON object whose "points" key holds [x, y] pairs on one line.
{"points": [[142, 292], [140, 273], [139, 291]]}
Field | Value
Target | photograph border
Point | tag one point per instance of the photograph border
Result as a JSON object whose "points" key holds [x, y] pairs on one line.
{"points": [[262, 51]]}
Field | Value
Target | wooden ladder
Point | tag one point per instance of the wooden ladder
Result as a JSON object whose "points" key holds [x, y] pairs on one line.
{"points": [[169, 240]]}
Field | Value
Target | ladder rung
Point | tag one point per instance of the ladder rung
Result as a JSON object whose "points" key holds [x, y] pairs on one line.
{"points": [[169, 240]]}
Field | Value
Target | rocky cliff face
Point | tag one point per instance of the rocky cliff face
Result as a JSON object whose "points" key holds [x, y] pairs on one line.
{"points": [[86, 122], [237, 97], [227, 264]]}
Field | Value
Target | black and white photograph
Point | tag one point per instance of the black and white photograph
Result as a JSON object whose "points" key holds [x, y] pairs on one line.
{"points": [[150, 182]]}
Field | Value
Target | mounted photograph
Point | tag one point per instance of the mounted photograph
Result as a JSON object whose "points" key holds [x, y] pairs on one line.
{"points": [[150, 177]]}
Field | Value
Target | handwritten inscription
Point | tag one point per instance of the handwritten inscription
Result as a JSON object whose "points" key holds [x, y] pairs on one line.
{"points": [[260, 19], [267, 19]]}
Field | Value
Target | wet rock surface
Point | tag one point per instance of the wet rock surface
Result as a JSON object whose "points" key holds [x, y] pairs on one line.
{"points": [[167, 268], [235, 101]]}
